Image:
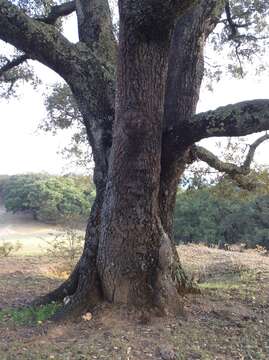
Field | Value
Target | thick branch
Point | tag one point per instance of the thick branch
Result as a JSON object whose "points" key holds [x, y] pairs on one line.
{"points": [[40, 41], [87, 73], [13, 63], [58, 11], [186, 60], [238, 119], [212, 160], [96, 29], [236, 173]]}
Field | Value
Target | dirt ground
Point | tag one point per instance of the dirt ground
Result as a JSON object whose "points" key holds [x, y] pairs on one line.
{"points": [[228, 320]]}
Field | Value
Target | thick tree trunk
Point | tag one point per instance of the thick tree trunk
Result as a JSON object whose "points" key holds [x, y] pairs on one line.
{"points": [[135, 257]]}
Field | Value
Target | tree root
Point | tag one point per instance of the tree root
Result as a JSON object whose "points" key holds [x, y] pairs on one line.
{"points": [[86, 297], [185, 284], [80, 292], [67, 288]]}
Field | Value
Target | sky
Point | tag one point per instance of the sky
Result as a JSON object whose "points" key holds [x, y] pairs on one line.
{"points": [[23, 149]]}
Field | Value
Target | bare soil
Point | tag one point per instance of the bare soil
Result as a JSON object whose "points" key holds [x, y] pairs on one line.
{"points": [[228, 320]]}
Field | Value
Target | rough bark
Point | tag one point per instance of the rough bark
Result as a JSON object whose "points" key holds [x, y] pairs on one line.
{"points": [[135, 257], [38, 40], [238, 119], [185, 73]]}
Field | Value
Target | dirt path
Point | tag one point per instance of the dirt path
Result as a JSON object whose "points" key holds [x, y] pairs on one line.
{"points": [[228, 321]]}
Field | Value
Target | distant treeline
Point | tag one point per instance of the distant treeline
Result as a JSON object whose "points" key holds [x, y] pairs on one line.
{"points": [[214, 215], [224, 214], [48, 198]]}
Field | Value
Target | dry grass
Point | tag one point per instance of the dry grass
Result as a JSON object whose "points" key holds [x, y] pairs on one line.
{"points": [[203, 262], [229, 320], [22, 228]]}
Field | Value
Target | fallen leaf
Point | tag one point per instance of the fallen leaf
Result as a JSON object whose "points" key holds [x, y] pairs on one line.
{"points": [[87, 316]]}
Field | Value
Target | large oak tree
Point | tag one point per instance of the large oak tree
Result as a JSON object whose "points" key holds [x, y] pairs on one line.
{"points": [[137, 92]]}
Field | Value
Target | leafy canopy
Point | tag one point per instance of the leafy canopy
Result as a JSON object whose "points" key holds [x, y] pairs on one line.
{"points": [[48, 198]]}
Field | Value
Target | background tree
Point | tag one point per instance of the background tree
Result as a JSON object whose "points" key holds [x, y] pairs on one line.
{"points": [[223, 213], [49, 198], [129, 255]]}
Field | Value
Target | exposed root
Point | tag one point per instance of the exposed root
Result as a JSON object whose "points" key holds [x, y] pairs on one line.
{"points": [[83, 300], [84, 275], [185, 284], [67, 288], [79, 293], [70, 311]]}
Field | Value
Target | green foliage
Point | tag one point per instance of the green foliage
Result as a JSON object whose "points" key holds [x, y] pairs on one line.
{"points": [[240, 37], [28, 315], [249, 223], [48, 198], [63, 113], [197, 215], [223, 214], [61, 108], [14, 78]]}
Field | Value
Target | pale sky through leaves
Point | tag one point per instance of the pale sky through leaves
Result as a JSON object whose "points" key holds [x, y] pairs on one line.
{"points": [[23, 149]]}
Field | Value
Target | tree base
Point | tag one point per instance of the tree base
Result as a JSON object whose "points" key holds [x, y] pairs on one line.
{"points": [[161, 289], [168, 300]]}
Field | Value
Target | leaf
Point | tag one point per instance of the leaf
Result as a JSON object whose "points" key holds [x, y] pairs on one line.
{"points": [[87, 316]]}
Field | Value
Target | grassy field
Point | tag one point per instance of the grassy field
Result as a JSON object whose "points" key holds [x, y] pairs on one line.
{"points": [[228, 320]]}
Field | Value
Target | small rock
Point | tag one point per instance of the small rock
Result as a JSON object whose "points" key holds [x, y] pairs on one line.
{"points": [[66, 300], [107, 334]]}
